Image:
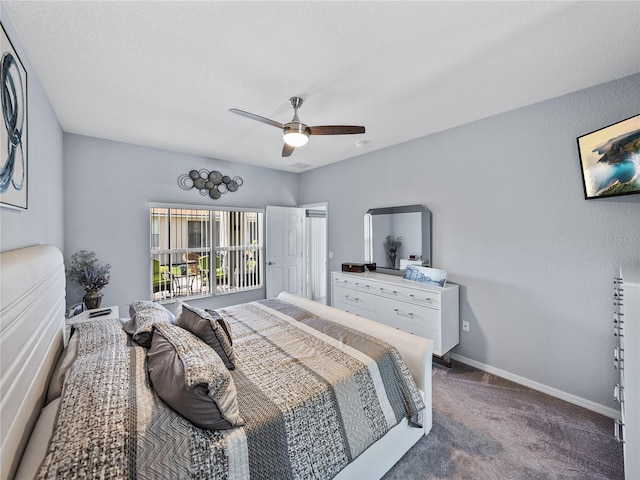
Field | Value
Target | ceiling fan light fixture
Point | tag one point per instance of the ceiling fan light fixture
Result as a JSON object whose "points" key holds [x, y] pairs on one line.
{"points": [[295, 134]]}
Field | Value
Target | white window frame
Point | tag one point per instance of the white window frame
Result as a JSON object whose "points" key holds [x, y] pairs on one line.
{"points": [[244, 261]]}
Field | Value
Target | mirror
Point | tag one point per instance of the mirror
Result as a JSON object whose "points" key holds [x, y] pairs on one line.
{"points": [[410, 223]]}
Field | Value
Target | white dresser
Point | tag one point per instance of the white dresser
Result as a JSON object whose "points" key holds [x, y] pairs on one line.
{"points": [[424, 310], [627, 360]]}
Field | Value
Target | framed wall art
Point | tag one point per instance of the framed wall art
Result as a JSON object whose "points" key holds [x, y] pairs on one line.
{"points": [[13, 131], [610, 160]]}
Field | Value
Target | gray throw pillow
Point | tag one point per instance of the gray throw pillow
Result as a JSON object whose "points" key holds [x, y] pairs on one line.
{"points": [[188, 375], [222, 322], [144, 315], [209, 329]]}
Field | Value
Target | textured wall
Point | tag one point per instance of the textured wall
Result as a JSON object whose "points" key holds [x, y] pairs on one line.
{"points": [[534, 260]]}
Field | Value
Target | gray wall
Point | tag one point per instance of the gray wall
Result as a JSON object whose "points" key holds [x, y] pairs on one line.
{"points": [[109, 186], [42, 222], [534, 260]]}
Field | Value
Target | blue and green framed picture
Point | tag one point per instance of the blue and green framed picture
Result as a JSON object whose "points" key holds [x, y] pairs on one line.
{"points": [[13, 131], [610, 160]]}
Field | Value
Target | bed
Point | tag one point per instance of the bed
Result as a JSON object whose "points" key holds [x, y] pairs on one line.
{"points": [[35, 435]]}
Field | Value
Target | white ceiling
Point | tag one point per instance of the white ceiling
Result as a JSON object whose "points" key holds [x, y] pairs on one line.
{"points": [[165, 74]]}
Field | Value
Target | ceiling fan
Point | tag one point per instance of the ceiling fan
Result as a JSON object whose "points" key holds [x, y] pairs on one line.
{"points": [[296, 133]]}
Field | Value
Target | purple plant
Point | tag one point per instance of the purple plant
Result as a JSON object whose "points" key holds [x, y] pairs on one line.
{"points": [[392, 244], [86, 271]]}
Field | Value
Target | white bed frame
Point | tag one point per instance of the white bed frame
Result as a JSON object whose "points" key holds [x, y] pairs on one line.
{"points": [[32, 303], [32, 296]]}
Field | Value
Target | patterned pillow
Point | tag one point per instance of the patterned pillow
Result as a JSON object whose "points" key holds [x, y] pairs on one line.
{"points": [[144, 315], [209, 329], [187, 374]]}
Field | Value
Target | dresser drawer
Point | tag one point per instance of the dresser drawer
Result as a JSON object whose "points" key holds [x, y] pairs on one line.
{"points": [[408, 313], [366, 286], [343, 281], [403, 321], [417, 296], [354, 298], [362, 284], [355, 309], [425, 298]]}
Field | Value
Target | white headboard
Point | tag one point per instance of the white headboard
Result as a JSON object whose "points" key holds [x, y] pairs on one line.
{"points": [[32, 305]]}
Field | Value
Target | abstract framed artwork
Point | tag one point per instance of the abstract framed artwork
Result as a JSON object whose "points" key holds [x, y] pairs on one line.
{"points": [[13, 131], [610, 160]]}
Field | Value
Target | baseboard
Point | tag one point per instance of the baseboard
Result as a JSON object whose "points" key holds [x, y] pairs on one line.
{"points": [[567, 397]]}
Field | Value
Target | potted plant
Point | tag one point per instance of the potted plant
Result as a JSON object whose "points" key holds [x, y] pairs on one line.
{"points": [[392, 245], [93, 277]]}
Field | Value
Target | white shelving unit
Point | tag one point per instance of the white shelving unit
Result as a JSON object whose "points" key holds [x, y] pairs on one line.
{"points": [[627, 360]]}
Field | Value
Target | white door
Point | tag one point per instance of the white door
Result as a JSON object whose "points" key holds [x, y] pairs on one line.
{"points": [[284, 260]]}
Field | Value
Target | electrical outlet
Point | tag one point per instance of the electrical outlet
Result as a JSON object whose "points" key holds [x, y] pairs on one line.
{"points": [[465, 325]]}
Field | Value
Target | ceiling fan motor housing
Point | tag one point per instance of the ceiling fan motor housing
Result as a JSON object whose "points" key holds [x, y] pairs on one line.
{"points": [[295, 102]]}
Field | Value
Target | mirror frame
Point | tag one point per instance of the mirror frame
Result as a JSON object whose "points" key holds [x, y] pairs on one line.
{"points": [[426, 233]]}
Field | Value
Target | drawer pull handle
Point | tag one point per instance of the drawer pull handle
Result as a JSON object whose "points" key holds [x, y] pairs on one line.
{"points": [[428, 299], [618, 358], [395, 292], [618, 393], [618, 429], [349, 297], [408, 314], [618, 353]]}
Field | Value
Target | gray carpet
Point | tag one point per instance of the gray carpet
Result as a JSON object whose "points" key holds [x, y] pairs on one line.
{"points": [[487, 428]]}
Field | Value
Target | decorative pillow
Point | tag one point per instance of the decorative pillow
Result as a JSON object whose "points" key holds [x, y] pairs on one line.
{"points": [[36, 449], [208, 328], [144, 315], [142, 305], [188, 375], [222, 322]]}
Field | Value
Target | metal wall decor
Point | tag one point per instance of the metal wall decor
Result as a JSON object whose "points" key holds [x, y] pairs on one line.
{"points": [[209, 183]]}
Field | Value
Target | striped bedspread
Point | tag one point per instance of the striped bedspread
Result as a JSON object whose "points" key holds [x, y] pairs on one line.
{"points": [[314, 395]]}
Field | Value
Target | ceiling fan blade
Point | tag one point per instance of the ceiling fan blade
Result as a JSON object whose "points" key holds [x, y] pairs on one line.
{"points": [[336, 130], [287, 150], [253, 116]]}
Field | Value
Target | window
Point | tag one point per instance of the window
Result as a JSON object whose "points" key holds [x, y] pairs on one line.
{"points": [[186, 263]]}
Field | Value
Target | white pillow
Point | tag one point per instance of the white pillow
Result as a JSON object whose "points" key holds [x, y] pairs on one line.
{"points": [[38, 442], [67, 357]]}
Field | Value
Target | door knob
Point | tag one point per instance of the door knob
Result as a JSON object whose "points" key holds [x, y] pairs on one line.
{"points": [[270, 263]]}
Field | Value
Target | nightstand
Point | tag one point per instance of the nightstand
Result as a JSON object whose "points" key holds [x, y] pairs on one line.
{"points": [[86, 317]]}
